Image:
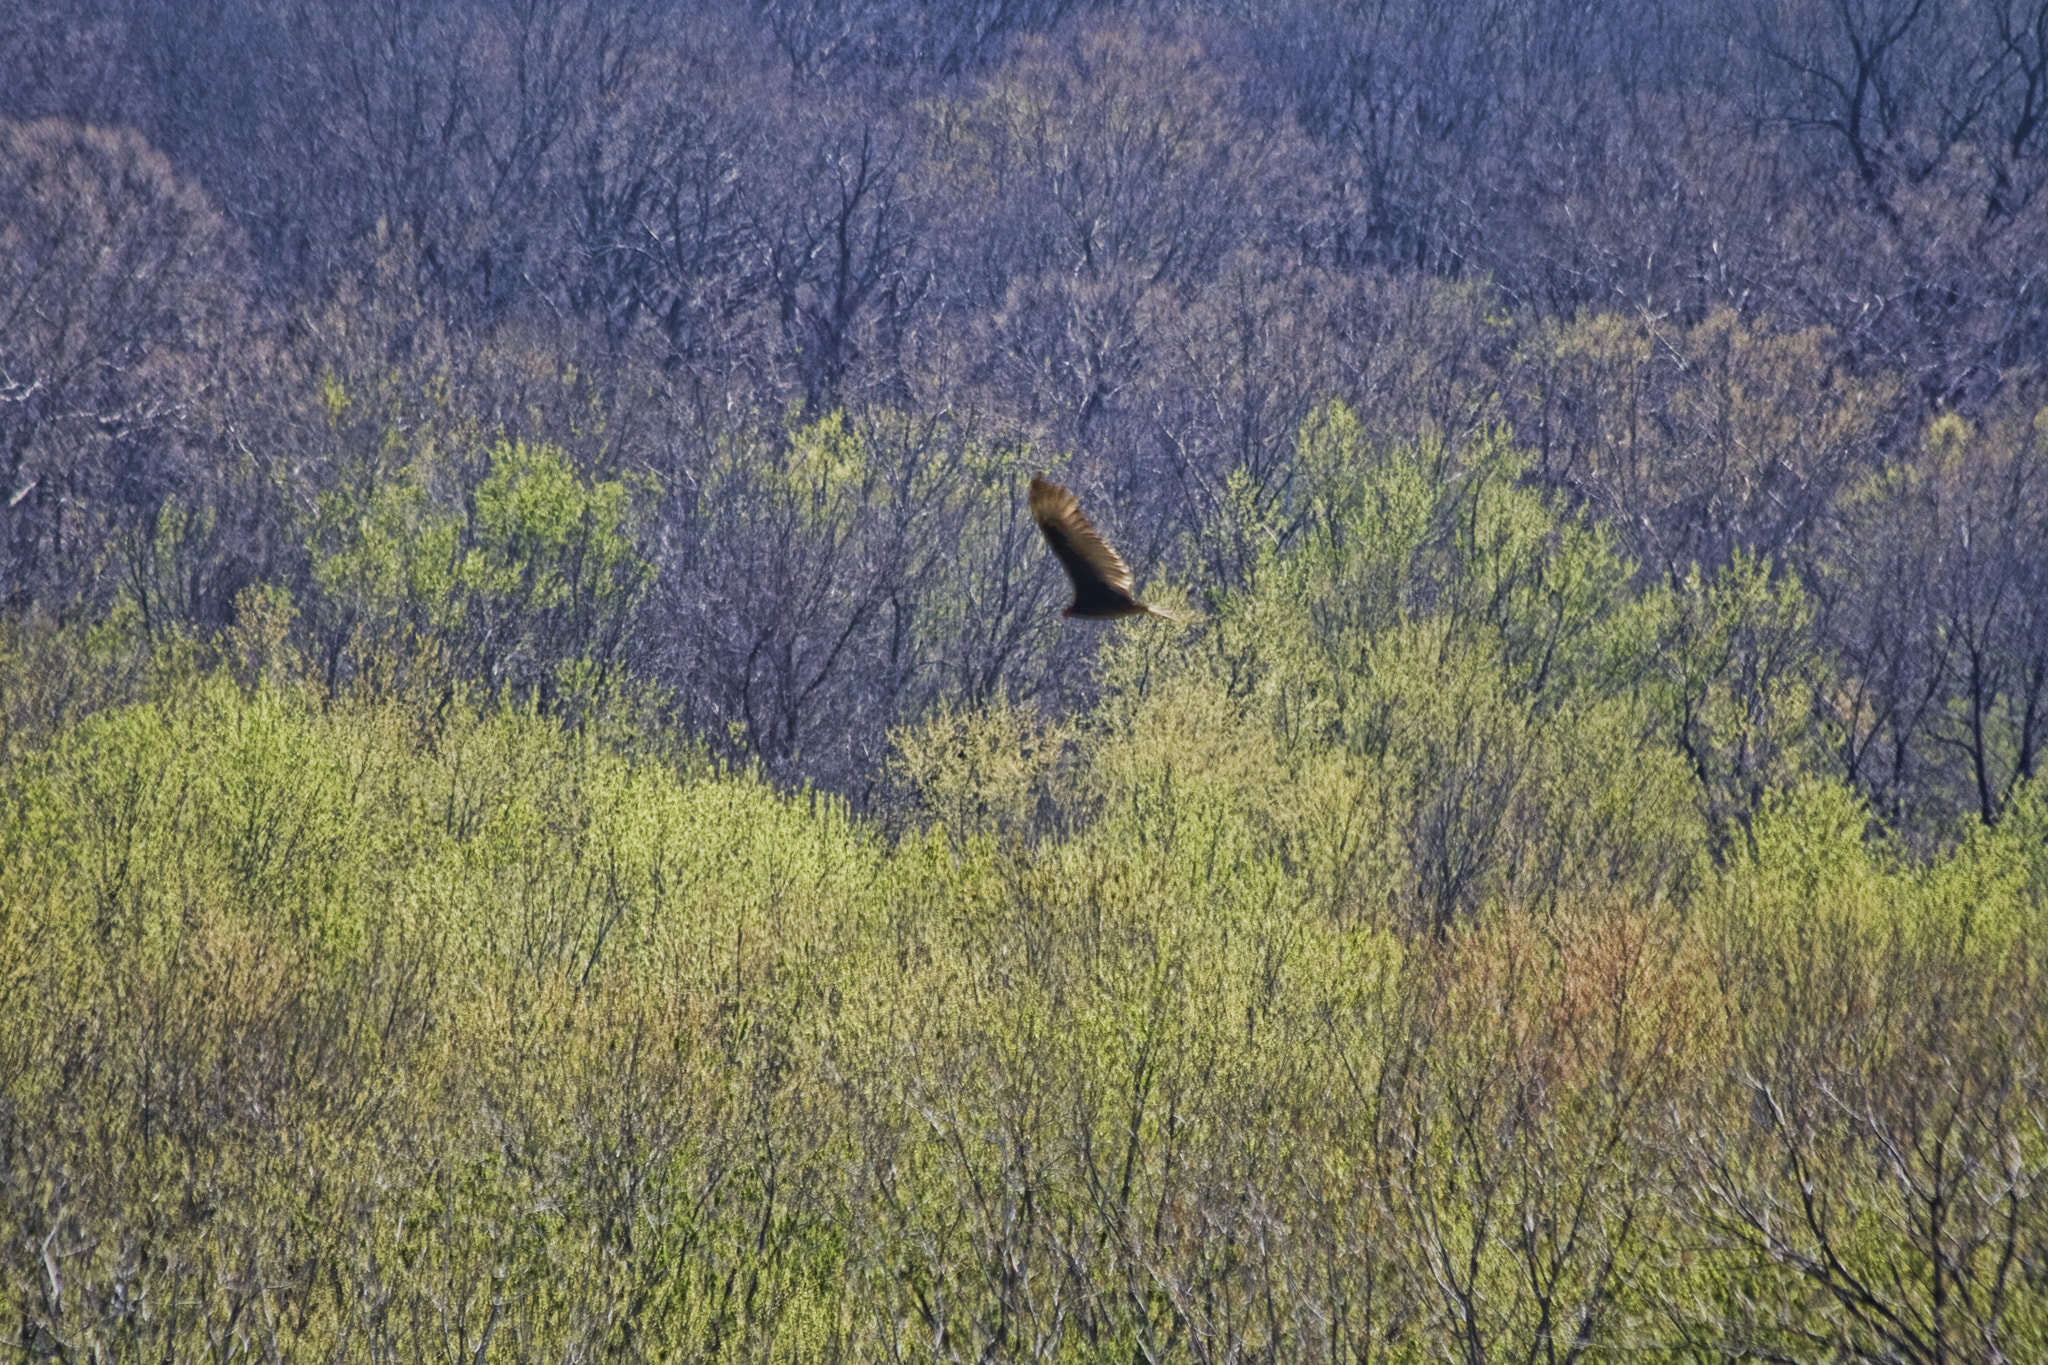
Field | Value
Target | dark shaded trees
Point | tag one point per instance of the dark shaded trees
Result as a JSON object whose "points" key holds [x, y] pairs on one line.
{"points": [[121, 308], [1936, 583], [1715, 267], [815, 592], [1088, 193]]}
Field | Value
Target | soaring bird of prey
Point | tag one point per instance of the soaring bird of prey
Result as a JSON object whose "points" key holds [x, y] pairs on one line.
{"points": [[1102, 581]]}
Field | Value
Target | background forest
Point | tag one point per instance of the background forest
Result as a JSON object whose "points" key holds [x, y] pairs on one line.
{"points": [[547, 807]]}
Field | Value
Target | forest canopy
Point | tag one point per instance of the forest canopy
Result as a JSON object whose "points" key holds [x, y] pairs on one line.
{"points": [[547, 806], [796, 293]]}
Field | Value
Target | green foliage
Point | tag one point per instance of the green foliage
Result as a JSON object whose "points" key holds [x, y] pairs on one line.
{"points": [[1359, 977], [1437, 698], [510, 571], [1886, 1017], [310, 921], [1573, 892], [979, 772], [1737, 674]]}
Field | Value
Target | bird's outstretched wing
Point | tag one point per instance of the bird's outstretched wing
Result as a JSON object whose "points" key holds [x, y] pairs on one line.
{"points": [[1102, 581]]}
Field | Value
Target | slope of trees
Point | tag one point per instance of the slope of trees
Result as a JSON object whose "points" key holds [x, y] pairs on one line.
{"points": [[1356, 978], [1724, 272], [546, 807]]}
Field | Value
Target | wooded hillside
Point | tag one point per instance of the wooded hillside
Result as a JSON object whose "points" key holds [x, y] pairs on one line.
{"points": [[548, 809], [809, 287]]}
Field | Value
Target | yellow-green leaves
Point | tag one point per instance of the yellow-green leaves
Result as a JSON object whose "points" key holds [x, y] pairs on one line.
{"points": [[521, 580], [983, 771], [1434, 698], [826, 462], [424, 1018]]}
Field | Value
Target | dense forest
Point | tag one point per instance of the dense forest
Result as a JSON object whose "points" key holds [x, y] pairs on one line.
{"points": [[547, 807]]}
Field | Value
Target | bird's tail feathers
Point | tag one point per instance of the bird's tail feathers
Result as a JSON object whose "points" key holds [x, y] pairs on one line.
{"points": [[1154, 609]]}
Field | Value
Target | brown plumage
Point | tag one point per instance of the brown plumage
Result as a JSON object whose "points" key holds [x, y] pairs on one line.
{"points": [[1102, 581]]}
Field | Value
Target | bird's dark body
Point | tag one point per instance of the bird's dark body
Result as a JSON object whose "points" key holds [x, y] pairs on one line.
{"points": [[1093, 598], [1103, 607]]}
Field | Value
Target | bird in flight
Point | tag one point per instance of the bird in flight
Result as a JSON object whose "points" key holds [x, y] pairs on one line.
{"points": [[1103, 588]]}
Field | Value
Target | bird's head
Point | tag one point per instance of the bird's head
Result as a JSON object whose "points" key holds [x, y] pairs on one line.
{"points": [[1067, 610]]}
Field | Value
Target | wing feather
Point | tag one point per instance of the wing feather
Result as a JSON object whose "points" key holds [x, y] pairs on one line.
{"points": [[1093, 567]]}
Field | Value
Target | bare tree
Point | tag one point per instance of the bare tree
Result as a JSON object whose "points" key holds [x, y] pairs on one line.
{"points": [[1936, 582], [120, 296]]}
